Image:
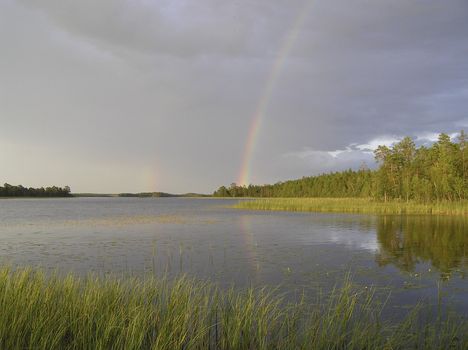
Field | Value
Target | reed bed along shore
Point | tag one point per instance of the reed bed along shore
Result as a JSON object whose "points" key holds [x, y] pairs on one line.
{"points": [[355, 205], [52, 312]]}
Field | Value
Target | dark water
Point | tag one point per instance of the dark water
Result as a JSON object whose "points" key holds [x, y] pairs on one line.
{"points": [[414, 258]]}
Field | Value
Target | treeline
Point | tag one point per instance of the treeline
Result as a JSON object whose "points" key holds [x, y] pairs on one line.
{"points": [[405, 172], [19, 191]]}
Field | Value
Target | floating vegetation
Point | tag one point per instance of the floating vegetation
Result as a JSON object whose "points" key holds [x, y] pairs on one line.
{"points": [[355, 205], [128, 220], [52, 312]]}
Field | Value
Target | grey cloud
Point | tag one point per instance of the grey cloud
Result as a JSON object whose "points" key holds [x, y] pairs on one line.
{"points": [[164, 27], [166, 90]]}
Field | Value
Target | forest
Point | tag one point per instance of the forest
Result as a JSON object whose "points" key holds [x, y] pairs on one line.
{"points": [[405, 172], [19, 191]]}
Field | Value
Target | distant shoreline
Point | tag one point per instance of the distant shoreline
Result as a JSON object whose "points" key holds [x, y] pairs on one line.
{"points": [[143, 195], [114, 195]]}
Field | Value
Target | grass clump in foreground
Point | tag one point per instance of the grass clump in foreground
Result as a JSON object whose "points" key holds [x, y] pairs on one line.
{"points": [[54, 312], [355, 205]]}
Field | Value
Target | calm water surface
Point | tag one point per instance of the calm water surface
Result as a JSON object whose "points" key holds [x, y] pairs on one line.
{"points": [[412, 257]]}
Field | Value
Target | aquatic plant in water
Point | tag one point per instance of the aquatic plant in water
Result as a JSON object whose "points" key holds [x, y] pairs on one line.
{"points": [[53, 312]]}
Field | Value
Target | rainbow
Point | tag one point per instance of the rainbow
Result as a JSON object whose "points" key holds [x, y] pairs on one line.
{"points": [[260, 110]]}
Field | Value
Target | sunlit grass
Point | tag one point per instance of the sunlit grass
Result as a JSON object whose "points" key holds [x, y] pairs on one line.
{"points": [[355, 205], [52, 312]]}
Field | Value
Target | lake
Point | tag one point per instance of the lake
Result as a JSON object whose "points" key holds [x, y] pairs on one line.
{"points": [[410, 258]]}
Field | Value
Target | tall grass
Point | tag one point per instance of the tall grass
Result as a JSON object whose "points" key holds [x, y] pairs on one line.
{"points": [[355, 205], [52, 312]]}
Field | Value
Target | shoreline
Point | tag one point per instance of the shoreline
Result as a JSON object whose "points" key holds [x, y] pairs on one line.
{"points": [[354, 206]]}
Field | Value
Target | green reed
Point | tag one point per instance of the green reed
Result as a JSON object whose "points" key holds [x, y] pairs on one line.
{"points": [[40, 311], [355, 205]]}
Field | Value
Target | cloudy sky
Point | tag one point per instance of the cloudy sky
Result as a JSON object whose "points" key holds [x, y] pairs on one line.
{"points": [[141, 95]]}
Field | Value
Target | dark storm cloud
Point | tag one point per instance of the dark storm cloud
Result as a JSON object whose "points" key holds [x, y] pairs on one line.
{"points": [[145, 95]]}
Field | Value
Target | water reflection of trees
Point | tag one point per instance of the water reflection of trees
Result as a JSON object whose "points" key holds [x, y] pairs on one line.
{"points": [[408, 240]]}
